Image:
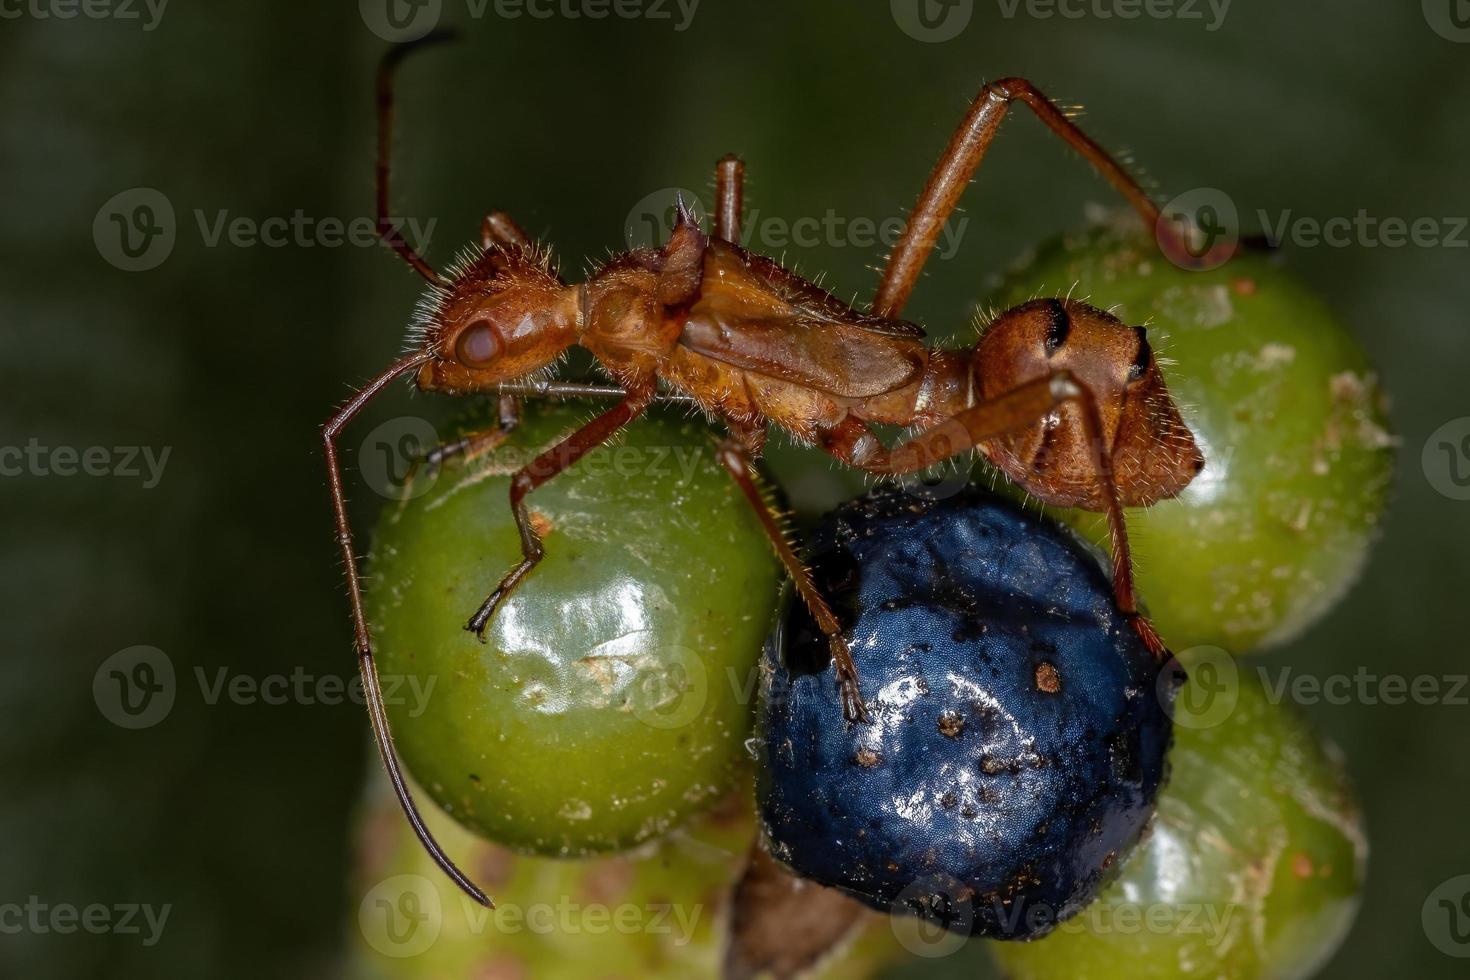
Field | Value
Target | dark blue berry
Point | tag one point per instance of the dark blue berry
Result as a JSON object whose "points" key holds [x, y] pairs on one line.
{"points": [[1018, 730]]}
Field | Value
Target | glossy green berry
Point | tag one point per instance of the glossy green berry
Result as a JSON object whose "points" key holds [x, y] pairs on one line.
{"points": [[659, 913], [1254, 864], [1288, 414], [611, 696]]}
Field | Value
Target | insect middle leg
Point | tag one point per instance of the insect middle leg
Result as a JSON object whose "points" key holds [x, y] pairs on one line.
{"points": [[729, 197], [736, 459], [501, 229], [957, 165], [468, 447], [854, 443], [541, 469]]}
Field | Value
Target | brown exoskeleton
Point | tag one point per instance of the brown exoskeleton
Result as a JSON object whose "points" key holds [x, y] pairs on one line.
{"points": [[1062, 397]]}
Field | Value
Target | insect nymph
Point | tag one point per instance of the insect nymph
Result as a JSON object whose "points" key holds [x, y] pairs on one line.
{"points": [[1062, 397]]}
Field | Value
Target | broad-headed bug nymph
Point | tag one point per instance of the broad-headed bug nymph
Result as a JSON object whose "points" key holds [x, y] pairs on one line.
{"points": [[1062, 397]]}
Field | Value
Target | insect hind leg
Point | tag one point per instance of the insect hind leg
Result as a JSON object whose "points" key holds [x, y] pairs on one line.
{"points": [[854, 443]]}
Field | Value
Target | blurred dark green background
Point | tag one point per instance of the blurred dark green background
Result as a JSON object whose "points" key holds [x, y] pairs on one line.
{"points": [[237, 815]]}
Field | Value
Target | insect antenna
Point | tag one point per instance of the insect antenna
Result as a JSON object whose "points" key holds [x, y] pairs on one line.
{"points": [[372, 690]]}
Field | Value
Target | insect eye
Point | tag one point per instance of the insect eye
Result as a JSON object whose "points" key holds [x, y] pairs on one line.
{"points": [[1142, 358], [1058, 326], [478, 345]]}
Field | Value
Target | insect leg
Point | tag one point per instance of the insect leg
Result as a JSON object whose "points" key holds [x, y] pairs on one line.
{"points": [[541, 469], [729, 197], [957, 164], [470, 446], [499, 228], [372, 689], [387, 230], [737, 461], [855, 444], [567, 390]]}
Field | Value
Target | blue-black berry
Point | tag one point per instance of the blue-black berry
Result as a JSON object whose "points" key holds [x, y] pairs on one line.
{"points": [[1018, 727]]}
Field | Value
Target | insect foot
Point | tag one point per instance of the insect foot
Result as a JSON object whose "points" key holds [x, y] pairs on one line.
{"points": [[1016, 742]]}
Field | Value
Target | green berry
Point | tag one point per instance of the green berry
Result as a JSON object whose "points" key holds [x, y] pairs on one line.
{"points": [[611, 697], [1290, 418], [1253, 866]]}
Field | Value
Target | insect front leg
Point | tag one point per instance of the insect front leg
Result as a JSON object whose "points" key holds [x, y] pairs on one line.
{"points": [[387, 230], [541, 469], [736, 459], [854, 443]]}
